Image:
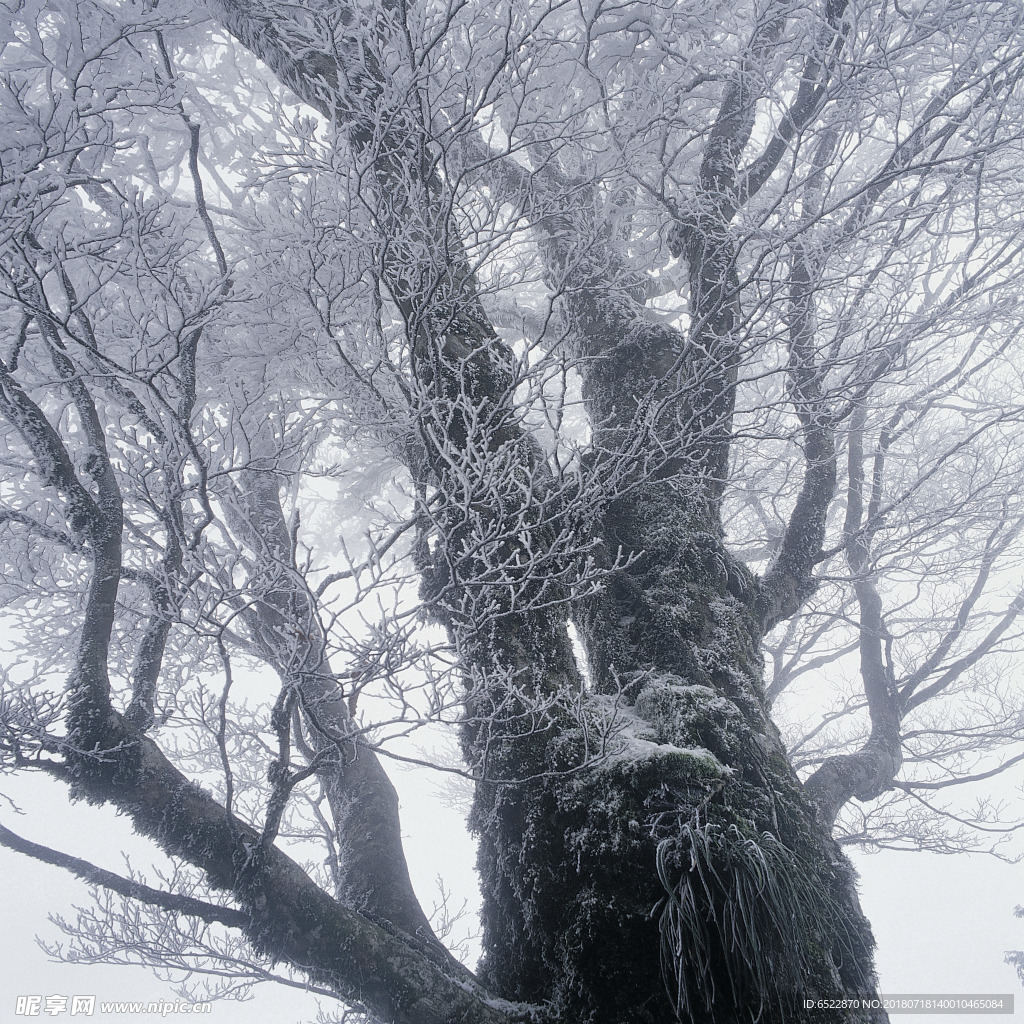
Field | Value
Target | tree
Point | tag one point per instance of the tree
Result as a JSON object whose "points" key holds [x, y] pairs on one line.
{"points": [[602, 335]]}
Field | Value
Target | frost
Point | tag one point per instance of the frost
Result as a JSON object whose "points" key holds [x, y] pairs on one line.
{"points": [[256, 412], [633, 735]]}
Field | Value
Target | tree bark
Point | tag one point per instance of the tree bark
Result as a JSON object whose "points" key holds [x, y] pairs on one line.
{"points": [[590, 874]]}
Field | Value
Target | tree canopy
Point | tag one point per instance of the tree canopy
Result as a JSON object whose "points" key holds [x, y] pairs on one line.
{"points": [[532, 375]]}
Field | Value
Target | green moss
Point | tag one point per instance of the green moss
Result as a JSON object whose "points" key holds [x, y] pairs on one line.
{"points": [[692, 715]]}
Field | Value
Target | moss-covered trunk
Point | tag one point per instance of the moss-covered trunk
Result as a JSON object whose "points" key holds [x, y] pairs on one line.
{"points": [[687, 873]]}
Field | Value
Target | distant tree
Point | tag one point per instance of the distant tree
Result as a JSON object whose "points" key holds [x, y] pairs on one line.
{"points": [[529, 370]]}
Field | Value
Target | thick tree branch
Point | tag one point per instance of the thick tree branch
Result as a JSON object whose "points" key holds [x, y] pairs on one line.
{"points": [[817, 72], [734, 122], [872, 770], [284, 619], [175, 903], [283, 913], [790, 579]]}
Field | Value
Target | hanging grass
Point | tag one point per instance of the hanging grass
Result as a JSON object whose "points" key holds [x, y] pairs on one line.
{"points": [[743, 925]]}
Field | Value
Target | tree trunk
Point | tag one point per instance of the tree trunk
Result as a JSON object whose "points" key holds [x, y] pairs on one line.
{"points": [[688, 873], [685, 875]]}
